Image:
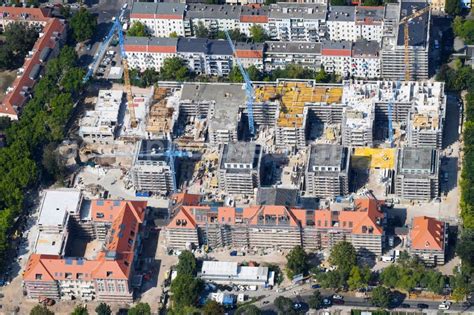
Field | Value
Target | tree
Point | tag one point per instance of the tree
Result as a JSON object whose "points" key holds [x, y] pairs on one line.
{"points": [[465, 247], [201, 31], [389, 276], [452, 7], [72, 83], [297, 261], [372, 2], [344, 256], [174, 69], [137, 29], [338, 2], [212, 308], [19, 40], [235, 75], [358, 278], [80, 310], [83, 25], [333, 279], [283, 304], [103, 309], [140, 309], [248, 309], [186, 264], [41, 310], [186, 289], [258, 33], [315, 300], [381, 297], [322, 76]]}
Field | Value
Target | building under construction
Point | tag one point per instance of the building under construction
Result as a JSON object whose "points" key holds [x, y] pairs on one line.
{"points": [[239, 168], [327, 171], [151, 170], [393, 41], [417, 173]]}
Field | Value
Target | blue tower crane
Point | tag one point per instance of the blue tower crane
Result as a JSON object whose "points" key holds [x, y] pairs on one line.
{"points": [[248, 86]]}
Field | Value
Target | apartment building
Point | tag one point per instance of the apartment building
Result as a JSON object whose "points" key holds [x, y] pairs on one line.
{"points": [[223, 123], [336, 56], [365, 59], [327, 171], [369, 22], [202, 56], [101, 124], [296, 21], [278, 54], [152, 170], [239, 168], [53, 36], [103, 269], [417, 173], [253, 15], [279, 227], [161, 19], [215, 17], [394, 65], [341, 23], [428, 239]]}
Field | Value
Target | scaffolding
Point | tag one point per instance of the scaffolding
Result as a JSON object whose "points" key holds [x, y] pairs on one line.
{"points": [[160, 116]]}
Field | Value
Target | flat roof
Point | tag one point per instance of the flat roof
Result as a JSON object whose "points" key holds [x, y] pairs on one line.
{"points": [[341, 44], [56, 204], [233, 94], [153, 150], [417, 27], [49, 243], [417, 158], [241, 152], [225, 116], [326, 155], [150, 41], [221, 268], [165, 8], [369, 15]]}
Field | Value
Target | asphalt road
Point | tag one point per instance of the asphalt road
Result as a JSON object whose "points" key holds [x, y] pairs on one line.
{"points": [[349, 301]]}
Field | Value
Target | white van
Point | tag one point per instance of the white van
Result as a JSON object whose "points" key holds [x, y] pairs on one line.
{"points": [[443, 306]]}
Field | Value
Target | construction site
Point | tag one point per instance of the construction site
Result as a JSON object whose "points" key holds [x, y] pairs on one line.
{"points": [[369, 119]]}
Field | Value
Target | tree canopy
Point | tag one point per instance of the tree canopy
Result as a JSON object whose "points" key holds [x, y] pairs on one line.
{"points": [[464, 28], [186, 264], [140, 309], [359, 277], [138, 29], [381, 297], [283, 304], [452, 7], [248, 309], [315, 300], [19, 40], [258, 33], [83, 25], [297, 261], [80, 310], [41, 310], [103, 309], [174, 69], [213, 308], [185, 289], [344, 256]]}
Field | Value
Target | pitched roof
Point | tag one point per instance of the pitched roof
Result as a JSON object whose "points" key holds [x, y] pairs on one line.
{"points": [[427, 233]]}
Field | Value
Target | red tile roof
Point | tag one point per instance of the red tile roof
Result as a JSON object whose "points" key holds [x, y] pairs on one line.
{"points": [[336, 52], [249, 53], [112, 263], [15, 99], [254, 19], [150, 48], [427, 233]]}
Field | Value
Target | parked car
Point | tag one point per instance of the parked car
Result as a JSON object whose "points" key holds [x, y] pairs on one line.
{"points": [[422, 305], [404, 305], [315, 286], [337, 297], [444, 306]]}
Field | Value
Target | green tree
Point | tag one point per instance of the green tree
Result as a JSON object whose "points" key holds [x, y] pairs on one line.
{"points": [[80, 310], [315, 300], [372, 3], [186, 264], [5, 123], [185, 289], [283, 304], [381, 297], [434, 281], [137, 29], [452, 7], [235, 75], [334, 279], [297, 261], [465, 247], [41, 310], [258, 33], [140, 309], [339, 2], [322, 76], [201, 31], [83, 25], [103, 309], [358, 278], [344, 256], [390, 276], [213, 308], [19, 40], [174, 69], [72, 83], [248, 309]]}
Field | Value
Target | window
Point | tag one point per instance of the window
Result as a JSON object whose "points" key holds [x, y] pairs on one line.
{"points": [[79, 276], [38, 276], [130, 241], [350, 224], [109, 273], [68, 275]]}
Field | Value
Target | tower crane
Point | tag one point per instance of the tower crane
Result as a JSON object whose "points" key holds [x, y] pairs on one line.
{"points": [[406, 36], [116, 27], [249, 91]]}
